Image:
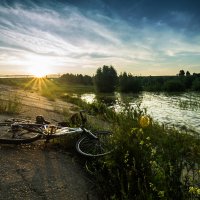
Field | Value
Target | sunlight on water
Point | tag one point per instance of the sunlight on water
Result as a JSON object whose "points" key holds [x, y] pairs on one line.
{"points": [[167, 110], [89, 98], [179, 110]]}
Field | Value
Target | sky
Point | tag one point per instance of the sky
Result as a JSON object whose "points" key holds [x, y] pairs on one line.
{"points": [[142, 37]]}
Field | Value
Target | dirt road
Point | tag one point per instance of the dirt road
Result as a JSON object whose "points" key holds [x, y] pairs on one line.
{"points": [[32, 172]]}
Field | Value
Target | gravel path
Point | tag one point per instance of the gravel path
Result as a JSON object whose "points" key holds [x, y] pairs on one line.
{"points": [[31, 172]]}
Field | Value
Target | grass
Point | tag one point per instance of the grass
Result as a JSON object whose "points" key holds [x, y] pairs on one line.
{"points": [[149, 161], [50, 88], [10, 106]]}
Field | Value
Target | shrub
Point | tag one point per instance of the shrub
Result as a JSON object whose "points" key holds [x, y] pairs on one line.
{"points": [[10, 106], [174, 86], [196, 85], [129, 83], [148, 162]]}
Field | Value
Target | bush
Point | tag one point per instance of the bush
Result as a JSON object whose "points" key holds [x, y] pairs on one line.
{"points": [[129, 83], [148, 161], [174, 86], [12, 105], [196, 85]]}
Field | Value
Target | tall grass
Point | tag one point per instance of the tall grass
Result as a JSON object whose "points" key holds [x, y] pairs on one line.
{"points": [[148, 162], [12, 105]]}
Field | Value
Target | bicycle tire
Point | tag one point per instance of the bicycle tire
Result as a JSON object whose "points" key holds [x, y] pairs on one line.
{"points": [[95, 147], [21, 136]]}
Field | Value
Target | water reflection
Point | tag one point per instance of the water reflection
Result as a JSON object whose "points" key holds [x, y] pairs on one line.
{"points": [[175, 109], [89, 98], [108, 99]]}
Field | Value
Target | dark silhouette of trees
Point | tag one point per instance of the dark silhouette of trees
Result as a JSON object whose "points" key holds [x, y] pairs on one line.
{"points": [[174, 86], [129, 83], [181, 73], [187, 73], [76, 79], [196, 74], [106, 79], [196, 84]]}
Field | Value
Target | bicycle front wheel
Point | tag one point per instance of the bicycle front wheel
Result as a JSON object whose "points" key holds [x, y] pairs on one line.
{"points": [[20, 135], [94, 147]]}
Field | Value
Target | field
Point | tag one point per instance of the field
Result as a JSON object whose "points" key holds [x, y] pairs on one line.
{"points": [[149, 161]]}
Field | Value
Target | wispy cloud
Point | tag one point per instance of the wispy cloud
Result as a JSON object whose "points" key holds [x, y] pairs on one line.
{"points": [[65, 38]]}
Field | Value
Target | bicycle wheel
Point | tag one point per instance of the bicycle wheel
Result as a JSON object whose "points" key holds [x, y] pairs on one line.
{"points": [[19, 134], [93, 147]]}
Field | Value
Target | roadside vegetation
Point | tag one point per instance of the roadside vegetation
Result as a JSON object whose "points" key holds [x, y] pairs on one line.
{"points": [[10, 104], [149, 160]]}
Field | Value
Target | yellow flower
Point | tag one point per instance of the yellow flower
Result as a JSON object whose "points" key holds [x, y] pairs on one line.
{"points": [[144, 121]]}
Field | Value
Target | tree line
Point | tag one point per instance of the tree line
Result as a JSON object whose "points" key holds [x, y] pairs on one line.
{"points": [[76, 79], [106, 79]]}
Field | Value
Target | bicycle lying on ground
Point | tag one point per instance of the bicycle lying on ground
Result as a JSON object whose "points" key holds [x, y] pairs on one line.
{"points": [[19, 131]]}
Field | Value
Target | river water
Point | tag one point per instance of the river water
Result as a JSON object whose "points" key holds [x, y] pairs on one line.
{"points": [[180, 110]]}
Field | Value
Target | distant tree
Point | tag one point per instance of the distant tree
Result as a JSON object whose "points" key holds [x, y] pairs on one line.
{"points": [[196, 74], [129, 83], [196, 84], [181, 73], [76, 79], [174, 86], [105, 79], [187, 73]]}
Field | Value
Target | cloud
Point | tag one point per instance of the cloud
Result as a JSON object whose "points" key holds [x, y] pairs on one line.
{"points": [[65, 38]]}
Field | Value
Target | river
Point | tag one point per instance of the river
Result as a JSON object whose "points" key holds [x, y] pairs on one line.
{"points": [[181, 110]]}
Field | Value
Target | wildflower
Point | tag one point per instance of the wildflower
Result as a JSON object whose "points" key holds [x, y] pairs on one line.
{"points": [[194, 190], [144, 121]]}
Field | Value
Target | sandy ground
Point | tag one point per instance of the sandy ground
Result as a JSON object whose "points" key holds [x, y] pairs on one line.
{"points": [[34, 172]]}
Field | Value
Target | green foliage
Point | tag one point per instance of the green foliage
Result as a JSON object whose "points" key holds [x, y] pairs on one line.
{"points": [[174, 86], [129, 83], [187, 73], [196, 84], [12, 105], [14, 81], [76, 79], [106, 79], [151, 162], [181, 73]]}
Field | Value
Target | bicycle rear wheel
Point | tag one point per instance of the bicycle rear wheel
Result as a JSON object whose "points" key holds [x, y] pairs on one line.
{"points": [[94, 147], [19, 135]]}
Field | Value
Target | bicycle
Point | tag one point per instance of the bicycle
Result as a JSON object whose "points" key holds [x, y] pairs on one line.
{"points": [[22, 131]]}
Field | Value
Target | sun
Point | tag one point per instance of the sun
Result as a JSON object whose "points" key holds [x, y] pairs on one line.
{"points": [[39, 72], [39, 66]]}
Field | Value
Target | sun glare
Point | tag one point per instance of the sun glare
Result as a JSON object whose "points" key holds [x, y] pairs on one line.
{"points": [[39, 72], [39, 66]]}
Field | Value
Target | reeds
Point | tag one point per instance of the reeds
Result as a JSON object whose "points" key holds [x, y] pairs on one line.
{"points": [[10, 105]]}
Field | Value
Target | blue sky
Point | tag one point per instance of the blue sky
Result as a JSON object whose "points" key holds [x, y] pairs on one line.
{"points": [[143, 37]]}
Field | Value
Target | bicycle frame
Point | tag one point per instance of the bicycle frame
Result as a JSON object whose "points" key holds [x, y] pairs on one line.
{"points": [[23, 132]]}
